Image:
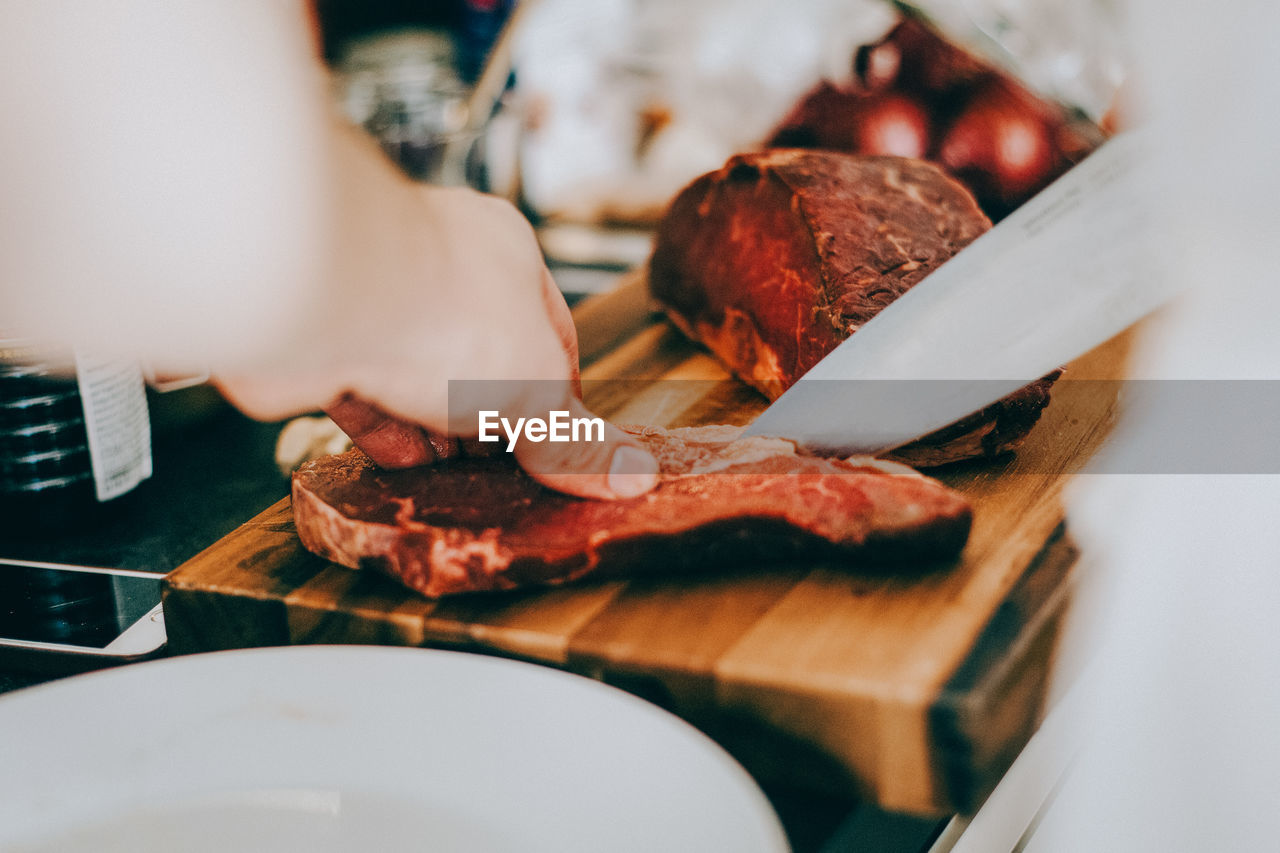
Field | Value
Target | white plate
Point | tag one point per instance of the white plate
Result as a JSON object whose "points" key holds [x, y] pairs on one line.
{"points": [[328, 748]]}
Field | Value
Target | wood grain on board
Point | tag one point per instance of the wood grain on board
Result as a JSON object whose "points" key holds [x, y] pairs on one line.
{"points": [[913, 687]]}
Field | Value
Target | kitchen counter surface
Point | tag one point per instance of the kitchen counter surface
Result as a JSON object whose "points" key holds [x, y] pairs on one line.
{"points": [[210, 475]]}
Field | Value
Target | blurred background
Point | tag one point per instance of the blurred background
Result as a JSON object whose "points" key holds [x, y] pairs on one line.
{"points": [[592, 115]]}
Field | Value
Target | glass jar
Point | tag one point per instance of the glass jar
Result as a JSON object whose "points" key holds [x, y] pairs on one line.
{"points": [[74, 435], [404, 88]]}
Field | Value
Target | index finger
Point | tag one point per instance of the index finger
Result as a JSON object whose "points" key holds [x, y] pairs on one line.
{"points": [[389, 441]]}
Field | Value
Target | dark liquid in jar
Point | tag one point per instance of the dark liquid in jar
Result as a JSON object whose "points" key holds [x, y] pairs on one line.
{"points": [[46, 475]]}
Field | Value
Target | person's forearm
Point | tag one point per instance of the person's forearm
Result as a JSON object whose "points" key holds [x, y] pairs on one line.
{"points": [[169, 173], [178, 189]]}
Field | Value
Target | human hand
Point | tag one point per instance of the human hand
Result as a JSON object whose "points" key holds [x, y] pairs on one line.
{"points": [[460, 293]]}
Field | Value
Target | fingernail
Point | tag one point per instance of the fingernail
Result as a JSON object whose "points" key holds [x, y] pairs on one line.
{"points": [[632, 472]]}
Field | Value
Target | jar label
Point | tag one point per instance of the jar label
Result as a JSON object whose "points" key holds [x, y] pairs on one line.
{"points": [[116, 419]]}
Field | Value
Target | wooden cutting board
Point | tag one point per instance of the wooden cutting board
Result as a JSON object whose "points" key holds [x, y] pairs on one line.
{"points": [[915, 689]]}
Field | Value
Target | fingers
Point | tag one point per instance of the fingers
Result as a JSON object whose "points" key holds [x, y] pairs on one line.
{"points": [[390, 442], [562, 322], [605, 464], [616, 467]]}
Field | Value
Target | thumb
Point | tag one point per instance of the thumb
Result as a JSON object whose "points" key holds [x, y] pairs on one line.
{"points": [[605, 462]]}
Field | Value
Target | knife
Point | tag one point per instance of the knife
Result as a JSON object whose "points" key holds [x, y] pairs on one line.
{"points": [[1063, 273]]}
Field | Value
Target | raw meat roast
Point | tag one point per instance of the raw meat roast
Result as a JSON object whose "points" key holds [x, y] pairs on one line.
{"points": [[473, 524], [780, 255]]}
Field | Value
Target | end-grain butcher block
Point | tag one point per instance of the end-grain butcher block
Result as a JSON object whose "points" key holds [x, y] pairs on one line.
{"points": [[780, 255], [475, 524]]}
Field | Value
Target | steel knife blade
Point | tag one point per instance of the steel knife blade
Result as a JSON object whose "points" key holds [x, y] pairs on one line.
{"points": [[1062, 274]]}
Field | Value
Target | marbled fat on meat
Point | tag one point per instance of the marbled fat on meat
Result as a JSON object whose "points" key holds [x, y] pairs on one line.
{"points": [[475, 524]]}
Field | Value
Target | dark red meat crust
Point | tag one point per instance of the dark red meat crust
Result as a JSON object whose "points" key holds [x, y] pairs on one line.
{"points": [[482, 524], [779, 256]]}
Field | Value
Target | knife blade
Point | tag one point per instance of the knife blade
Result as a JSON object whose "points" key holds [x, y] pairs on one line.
{"points": [[1062, 274]]}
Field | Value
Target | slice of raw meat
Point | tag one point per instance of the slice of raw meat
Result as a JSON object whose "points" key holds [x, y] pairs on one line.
{"points": [[780, 255], [482, 524]]}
